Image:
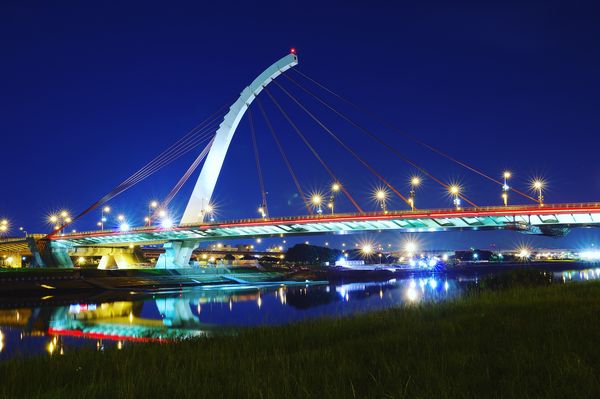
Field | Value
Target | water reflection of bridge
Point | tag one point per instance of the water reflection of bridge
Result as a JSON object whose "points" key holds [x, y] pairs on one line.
{"points": [[144, 318]]}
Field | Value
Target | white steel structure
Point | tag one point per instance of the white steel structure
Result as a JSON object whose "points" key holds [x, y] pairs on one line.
{"points": [[201, 196]]}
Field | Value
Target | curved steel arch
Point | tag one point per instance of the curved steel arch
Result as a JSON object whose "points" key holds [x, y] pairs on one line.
{"points": [[200, 198]]}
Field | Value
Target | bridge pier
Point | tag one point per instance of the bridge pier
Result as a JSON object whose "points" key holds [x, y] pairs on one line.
{"points": [[177, 254], [118, 260], [46, 253]]}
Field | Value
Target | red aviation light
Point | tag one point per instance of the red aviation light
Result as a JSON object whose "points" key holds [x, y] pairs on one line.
{"points": [[293, 50]]}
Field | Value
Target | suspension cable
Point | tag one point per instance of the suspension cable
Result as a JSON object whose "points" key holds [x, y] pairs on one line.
{"points": [[179, 153], [378, 139], [188, 142], [261, 181], [174, 151], [344, 145], [410, 136], [165, 203], [314, 152], [284, 156]]}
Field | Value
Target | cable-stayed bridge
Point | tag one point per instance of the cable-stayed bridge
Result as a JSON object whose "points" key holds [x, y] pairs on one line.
{"points": [[212, 138]]}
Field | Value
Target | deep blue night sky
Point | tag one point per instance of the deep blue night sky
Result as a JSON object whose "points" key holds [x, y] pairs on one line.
{"points": [[89, 93]]}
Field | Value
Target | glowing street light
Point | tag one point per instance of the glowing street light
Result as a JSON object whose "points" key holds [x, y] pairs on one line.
{"points": [[415, 181], [4, 225], [335, 188], [103, 213], [262, 210], [455, 193], [316, 201], [410, 247], [60, 221], [537, 186], [121, 218], [505, 188], [381, 196], [166, 223], [209, 210], [367, 249], [152, 205]]}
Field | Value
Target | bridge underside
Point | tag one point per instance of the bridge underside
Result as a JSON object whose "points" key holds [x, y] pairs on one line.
{"points": [[543, 224]]}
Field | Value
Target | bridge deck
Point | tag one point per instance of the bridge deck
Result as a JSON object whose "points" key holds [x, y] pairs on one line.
{"points": [[481, 218]]}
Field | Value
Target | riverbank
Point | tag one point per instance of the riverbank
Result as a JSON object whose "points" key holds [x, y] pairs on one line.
{"points": [[54, 282], [515, 343], [467, 269]]}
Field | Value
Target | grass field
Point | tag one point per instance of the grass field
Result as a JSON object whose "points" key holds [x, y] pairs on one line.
{"points": [[523, 342]]}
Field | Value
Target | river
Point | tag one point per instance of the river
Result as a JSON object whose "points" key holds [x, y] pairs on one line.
{"points": [[54, 326]]}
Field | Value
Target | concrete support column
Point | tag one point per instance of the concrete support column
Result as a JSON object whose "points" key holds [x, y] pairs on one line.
{"points": [[37, 252], [107, 262], [60, 255], [177, 254]]}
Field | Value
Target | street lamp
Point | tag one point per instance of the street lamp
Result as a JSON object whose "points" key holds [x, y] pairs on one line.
{"points": [[4, 226], [455, 193], [151, 206], [505, 187], [335, 188], [60, 221], [23, 230], [410, 247], [381, 196], [105, 210], [415, 181], [262, 210], [367, 249], [538, 186], [208, 211], [316, 201]]}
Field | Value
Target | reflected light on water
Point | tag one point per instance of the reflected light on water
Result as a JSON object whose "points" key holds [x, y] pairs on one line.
{"points": [[412, 294], [170, 317]]}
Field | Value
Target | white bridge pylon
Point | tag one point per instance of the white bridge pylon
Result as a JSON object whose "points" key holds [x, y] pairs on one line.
{"points": [[203, 190]]}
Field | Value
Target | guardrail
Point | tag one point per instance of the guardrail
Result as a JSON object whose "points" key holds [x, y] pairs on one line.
{"points": [[425, 212]]}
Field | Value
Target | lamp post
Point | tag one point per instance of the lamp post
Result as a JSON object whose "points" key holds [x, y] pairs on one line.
{"points": [[455, 193], [262, 210], [414, 183], [105, 210], [316, 201], [538, 186], [151, 208], [381, 196], [4, 226], [335, 188], [60, 221], [209, 211], [505, 187]]}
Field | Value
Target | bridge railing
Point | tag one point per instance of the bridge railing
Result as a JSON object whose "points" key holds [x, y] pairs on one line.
{"points": [[423, 212], [324, 216]]}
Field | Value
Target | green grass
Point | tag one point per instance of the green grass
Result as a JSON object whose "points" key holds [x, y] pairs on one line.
{"points": [[526, 342]]}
